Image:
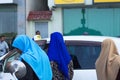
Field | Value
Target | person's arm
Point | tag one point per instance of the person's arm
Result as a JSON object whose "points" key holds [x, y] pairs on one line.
{"points": [[7, 47], [7, 50], [9, 54]]}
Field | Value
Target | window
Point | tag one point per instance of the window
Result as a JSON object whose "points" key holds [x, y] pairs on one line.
{"points": [[83, 53], [8, 18], [43, 28]]}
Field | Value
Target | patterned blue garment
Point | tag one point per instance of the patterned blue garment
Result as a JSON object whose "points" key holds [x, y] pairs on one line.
{"points": [[58, 53], [34, 56]]}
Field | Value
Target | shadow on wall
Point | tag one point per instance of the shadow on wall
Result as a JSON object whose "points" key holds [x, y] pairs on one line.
{"points": [[84, 31]]}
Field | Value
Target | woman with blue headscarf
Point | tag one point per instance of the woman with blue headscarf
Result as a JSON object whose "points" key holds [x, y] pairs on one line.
{"points": [[35, 59], [61, 62]]}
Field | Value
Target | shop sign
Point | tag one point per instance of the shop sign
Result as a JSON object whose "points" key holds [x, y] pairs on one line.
{"points": [[69, 1], [105, 1]]}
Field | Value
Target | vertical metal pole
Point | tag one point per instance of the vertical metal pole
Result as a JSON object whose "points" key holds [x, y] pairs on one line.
{"points": [[83, 19]]}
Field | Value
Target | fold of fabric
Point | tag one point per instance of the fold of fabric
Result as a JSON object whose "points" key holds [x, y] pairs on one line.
{"points": [[34, 56], [108, 63]]}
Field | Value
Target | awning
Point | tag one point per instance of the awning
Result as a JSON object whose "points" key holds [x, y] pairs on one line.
{"points": [[39, 15]]}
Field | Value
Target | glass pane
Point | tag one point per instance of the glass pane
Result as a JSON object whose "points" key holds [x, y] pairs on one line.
{"points": [[8, 18], [43, 28], [94, 21], [84, 56]]}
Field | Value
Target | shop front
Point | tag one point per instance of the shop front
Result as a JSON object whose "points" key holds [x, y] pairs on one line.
{"points": [[95, 17]]}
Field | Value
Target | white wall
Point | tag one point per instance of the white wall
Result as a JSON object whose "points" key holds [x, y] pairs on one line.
{"points": [[56, 22], [51, 4], [31, 5]]}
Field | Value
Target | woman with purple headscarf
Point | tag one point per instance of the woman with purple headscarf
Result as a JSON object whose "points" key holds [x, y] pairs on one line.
{"points": [[61, 62]]}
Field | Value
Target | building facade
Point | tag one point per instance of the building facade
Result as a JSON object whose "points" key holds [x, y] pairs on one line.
{"points": [[94, 17], [12, 17], [14, 14], [70, 17]]}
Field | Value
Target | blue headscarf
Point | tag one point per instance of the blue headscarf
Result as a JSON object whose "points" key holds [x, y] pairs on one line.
{"points": [[34, 56], [57, 52]]}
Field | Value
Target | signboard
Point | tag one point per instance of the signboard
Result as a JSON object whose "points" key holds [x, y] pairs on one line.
{"points": [[6, 1], [69, 1], [102, 1]]}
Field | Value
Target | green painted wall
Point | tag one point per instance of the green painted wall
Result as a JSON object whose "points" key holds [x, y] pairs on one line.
{"points": [[98, 21]]}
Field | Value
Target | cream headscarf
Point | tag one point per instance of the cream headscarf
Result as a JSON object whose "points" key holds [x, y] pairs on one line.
{"points": [[108, 63]]}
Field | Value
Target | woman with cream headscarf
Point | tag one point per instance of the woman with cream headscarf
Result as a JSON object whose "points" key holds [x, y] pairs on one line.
{"points": [[108, 63]]}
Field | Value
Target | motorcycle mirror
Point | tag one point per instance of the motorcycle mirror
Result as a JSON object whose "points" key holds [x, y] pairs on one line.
{"points": [[18, 68]]}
